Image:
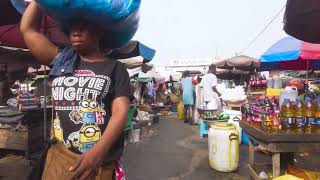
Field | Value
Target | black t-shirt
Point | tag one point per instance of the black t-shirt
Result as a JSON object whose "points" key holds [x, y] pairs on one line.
{"points": [[83, 104]]}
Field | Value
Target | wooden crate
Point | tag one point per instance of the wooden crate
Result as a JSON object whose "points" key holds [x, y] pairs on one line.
{"points": [[31, 140]]}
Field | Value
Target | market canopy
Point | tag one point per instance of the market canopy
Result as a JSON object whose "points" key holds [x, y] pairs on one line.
{"points": [[229, 74], [133, 49], [301, 19], [290, 53], [241, 62], [11, 36]]}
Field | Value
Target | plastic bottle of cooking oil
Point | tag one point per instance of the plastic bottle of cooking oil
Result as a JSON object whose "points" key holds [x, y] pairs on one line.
{"points": [[317, 116], [299, 116], [287, 120], [309, 113]]}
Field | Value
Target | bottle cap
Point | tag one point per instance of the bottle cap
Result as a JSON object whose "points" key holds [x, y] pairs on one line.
{"points": [[308, 99], [298, 99]]}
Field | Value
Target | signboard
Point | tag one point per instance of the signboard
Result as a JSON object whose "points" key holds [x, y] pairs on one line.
{"points": [[191, 62]]}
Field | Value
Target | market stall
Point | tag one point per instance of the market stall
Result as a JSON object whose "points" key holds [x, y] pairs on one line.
{"points": [[281, 116]]}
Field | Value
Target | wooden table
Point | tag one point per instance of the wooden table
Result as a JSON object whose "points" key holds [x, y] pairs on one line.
{"points": [[32, 138], [278, 144], [234, 105]]}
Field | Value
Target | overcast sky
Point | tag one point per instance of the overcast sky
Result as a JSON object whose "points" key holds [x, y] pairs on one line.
{"points": [[208, 28]]}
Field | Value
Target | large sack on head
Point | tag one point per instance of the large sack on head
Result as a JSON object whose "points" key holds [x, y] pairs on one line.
{"points": [[119, 18]]}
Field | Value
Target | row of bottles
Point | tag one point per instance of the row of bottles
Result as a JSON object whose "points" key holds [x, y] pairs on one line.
{"points": [[254, 110], [257, 82], [294, 117], [301, 117]]}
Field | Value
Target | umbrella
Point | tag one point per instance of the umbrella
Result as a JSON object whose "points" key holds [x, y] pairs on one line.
{"points": [[241, 62], [11, 36], [290, 53], [229, 74], [134, 49], [300, 19]]}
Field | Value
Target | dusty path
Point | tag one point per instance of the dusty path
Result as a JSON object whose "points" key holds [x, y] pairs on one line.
{"points": [[175, 152]]}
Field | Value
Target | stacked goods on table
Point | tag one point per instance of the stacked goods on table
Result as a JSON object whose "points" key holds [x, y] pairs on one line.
{"points": [[301, 116], [257, 82], [293, 117], [28, 102], [264, 113]]}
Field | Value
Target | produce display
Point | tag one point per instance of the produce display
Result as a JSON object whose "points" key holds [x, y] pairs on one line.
{"points": [[211, 115]]}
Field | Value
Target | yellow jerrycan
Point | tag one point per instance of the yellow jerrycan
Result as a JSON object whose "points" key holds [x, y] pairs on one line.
{"points": [[180, 110]]}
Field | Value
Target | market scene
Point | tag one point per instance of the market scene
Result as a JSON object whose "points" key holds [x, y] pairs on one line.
{"points": [[110, 90]]}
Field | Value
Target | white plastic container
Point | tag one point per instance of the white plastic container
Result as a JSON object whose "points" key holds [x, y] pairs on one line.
{"points": [[134, 136], [223, 140], [277, 82], [288, 92]]}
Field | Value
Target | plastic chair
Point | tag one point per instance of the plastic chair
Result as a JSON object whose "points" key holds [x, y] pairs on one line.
{"points": [[129, 124]]}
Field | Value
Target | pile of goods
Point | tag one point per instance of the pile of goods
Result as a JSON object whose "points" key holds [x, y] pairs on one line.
{"points": [[263, 113], [257, 82], [143, 116], [292, 117], [235, 94], [211, 115], [28, 102], [301, 116]]}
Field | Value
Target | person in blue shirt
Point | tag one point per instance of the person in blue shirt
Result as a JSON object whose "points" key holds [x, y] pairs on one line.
{"points": [[187, 96]]}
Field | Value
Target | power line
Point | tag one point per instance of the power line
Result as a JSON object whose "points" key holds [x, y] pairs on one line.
{"points": [[263, 30]]}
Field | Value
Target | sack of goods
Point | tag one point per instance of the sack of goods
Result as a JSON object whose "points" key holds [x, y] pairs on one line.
{"points": [[118, 18]]}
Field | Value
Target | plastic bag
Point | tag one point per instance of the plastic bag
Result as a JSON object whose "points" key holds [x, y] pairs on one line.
{"points": [[119, 18]]}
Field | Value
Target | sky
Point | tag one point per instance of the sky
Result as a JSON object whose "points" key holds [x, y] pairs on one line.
{"points": [[180, 29]]}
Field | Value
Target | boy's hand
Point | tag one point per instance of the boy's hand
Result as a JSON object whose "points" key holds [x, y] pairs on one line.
{"points": [[87, 164]]}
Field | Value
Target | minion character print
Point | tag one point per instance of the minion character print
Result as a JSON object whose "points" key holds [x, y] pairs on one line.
{"points": [[90, 112], [89, 135], [58, 132]]}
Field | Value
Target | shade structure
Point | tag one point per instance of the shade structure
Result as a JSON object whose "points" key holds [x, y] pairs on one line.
{"points": [[301, 20], [232, 74], [133, 49], [241, 62], [290, 53]]}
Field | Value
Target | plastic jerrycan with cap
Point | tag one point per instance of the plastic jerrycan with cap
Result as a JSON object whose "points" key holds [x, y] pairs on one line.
{"points": [[223, 141]]}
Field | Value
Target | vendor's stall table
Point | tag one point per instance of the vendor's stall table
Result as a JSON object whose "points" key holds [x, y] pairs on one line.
{"points": [[30, 139], [234, 105], [252, 95], [278, 144]]}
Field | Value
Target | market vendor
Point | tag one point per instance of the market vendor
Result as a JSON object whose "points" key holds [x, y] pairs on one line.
{"points": [[210, 92]]}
